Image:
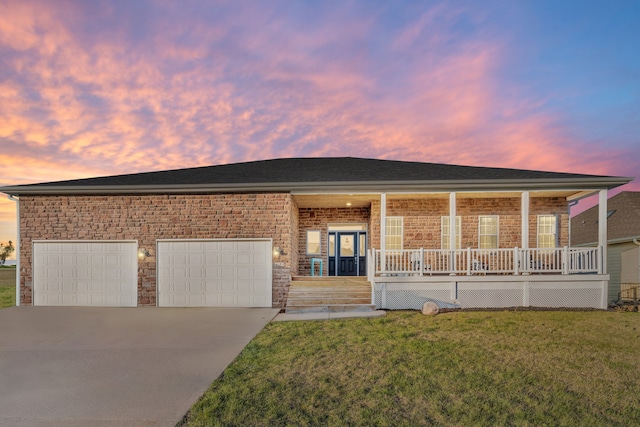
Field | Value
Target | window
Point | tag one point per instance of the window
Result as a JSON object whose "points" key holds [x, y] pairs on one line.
{"points": [[313, 242], [444, 232], [347, 227], [547, 231], [393, 232], [488, 232], [332, 244]]}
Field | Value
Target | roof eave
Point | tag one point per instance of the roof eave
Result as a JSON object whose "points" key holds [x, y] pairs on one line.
{"points": [[612, 241], [590, 183]]}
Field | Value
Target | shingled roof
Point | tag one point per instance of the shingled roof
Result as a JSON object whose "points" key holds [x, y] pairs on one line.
{"points": [[319, 173], [623, 224]]}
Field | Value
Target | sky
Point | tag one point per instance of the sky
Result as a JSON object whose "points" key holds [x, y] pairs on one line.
{"points": [[93, 88]]}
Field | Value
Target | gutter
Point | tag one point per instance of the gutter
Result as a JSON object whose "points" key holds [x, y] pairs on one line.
{"points": [[328, 186], [13, 198], [633, 239]]}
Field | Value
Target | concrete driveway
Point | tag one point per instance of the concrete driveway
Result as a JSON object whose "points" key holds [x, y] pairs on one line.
{"points": [[79, 366]]}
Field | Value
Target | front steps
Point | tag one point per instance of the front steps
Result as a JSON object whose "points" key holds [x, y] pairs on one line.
{"points": [[329, 295]]}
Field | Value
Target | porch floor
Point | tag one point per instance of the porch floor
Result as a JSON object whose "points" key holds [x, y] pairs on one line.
{"points": [[329, 294]]}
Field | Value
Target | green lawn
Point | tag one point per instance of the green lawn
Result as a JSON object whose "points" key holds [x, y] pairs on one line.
{"points": [[7, 287], [465, 368]]}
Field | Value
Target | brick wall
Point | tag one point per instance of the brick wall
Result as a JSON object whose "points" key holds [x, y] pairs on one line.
{"points": [[422, 219], [319, 219], [146, 218]]}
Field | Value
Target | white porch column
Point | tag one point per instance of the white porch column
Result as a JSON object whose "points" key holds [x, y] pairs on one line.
{"points": [[453, 239], [383, 221], [524, 214], [602, 228]]}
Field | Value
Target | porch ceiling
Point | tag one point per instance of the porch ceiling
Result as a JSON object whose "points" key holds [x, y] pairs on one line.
{"points": [[358, 200], [481, 194], [335, 200]]}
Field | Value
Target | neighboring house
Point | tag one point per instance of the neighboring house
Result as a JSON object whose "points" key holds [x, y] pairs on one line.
{"points": [[623, 225], [236, 234]]}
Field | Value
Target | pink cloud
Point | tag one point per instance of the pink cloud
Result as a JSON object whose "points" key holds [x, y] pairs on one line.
{"points": [[86, 96]]}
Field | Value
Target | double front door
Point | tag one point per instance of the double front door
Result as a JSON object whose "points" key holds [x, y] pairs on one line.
{"points": [[347, 253]]}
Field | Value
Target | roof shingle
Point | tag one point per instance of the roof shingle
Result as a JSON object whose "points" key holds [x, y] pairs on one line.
{"points": [[623, 221], [308, 170]]}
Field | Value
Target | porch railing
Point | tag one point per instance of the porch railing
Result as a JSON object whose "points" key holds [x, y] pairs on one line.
{"points": [[422, 261]]}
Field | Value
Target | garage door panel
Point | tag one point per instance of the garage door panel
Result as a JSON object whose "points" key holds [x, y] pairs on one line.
{"points": [[212, 258], [196, 273], [178, 286], [227, 287], [180, 259], [259, 274], [96, 287], [67, 287], [228, 259], [214, 273], [245, 259], [244, 272], [212, 247], [82, 287], [227, 272], [244, 246], [85, 273], [211, 272], [53, 286], [212, 287], [112, 259], [245, 287], [226, 247]]}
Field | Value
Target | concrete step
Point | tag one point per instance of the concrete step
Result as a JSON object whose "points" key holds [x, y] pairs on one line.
{"points": [[330, 308], [339, 285], [350, 291], [329, 278], [327, 300], [356, 299], [329, 294]]}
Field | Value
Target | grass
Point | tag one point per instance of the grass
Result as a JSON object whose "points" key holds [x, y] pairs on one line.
{"points": [[7, 287], [465, 368]]}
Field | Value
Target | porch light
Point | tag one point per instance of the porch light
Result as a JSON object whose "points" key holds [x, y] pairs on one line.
{"points": [[348, 204], [143, 253], [277, 251]]}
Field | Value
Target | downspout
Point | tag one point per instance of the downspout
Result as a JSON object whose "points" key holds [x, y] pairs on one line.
{"points": [[17, 200]]}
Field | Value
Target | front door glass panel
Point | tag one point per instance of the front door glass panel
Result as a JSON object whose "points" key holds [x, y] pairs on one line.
{"points": [[347, 245]]}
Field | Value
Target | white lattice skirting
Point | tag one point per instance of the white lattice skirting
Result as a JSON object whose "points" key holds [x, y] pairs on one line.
{"points": [[580, 291]]}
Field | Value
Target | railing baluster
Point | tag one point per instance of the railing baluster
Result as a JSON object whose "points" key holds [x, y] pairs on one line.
{"points": [[563, 260]]}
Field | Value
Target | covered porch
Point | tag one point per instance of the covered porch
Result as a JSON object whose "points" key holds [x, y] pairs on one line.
{"points": [[428, 246]]}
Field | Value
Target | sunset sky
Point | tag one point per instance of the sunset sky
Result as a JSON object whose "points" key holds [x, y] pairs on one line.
{"points": [[90, 88]]}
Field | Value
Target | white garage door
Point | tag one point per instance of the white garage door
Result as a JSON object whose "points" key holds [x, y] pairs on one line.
{"points": [[85, 273], [214, 273]]}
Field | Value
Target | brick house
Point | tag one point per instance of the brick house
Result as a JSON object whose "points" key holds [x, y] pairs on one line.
{"points": [[236, 235]]}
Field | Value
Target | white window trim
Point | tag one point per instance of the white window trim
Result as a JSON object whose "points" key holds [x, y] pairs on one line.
{"points": [[458, 232], [556, 237], [497, 217], [319, 242], [401, 231]]}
